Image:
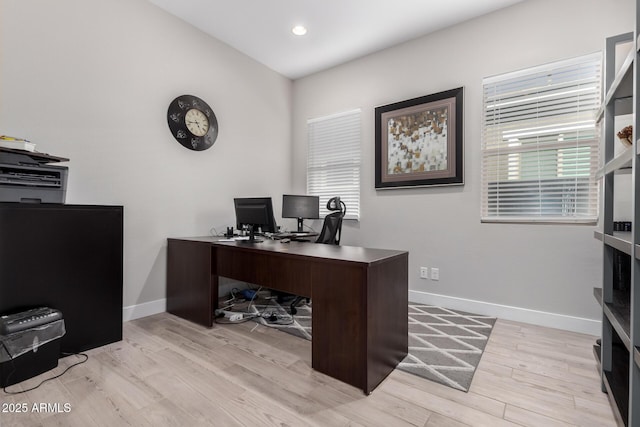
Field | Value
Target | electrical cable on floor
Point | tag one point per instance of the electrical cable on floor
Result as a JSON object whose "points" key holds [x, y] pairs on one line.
{"points": [[255, 294], [270, 318], [246, 317], [271, 323], [86, 357]]}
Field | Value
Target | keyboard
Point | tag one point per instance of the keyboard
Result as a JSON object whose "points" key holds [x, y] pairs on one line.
{"points": [[289, 235], [17, 322]]}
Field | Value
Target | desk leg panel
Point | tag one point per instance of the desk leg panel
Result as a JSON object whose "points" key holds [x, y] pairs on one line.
{"points": [[387, 315], [339, 322], [191, 284]]}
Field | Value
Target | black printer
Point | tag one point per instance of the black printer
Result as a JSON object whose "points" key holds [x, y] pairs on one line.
{"points": [[28, 177]]}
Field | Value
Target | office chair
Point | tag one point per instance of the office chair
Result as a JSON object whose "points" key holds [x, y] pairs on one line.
{"points": [[332, 225], [330, 234]]}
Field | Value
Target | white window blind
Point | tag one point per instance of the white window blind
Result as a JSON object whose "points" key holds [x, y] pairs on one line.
{"points": [[333, 160], [540, 147]]}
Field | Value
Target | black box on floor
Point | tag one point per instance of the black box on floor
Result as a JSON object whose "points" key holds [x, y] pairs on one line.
{"points": [[29, 343], [30, 364]]}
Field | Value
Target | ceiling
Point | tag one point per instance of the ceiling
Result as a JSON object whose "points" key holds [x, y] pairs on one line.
{"points": [[338, 30]]}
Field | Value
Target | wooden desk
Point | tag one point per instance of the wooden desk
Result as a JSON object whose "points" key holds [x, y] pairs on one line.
{"points": [[360, 296]]}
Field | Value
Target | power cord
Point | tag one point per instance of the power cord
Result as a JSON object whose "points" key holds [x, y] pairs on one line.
{"points": [[230, 303], [274, 316], [271, 317], [245, 318], [13, 370]]}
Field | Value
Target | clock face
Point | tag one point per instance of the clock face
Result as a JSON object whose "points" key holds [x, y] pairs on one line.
{"points": [[192, 122], [197, 122]]}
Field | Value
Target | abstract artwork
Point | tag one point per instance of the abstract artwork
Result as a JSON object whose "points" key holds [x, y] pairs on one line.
{"points": [[419, 141]]}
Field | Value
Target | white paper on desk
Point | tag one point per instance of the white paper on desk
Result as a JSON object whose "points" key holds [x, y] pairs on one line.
{"points": [[226, 240]]}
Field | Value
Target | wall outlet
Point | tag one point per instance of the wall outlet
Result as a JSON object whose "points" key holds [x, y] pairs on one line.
{"points": [[435, 273], [424, 272]]}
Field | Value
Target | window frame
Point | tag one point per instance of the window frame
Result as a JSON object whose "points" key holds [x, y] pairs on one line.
{"points": [[545, 116], [334, 159]]}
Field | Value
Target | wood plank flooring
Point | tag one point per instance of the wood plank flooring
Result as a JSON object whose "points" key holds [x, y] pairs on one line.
{"points": [[170, 372]]}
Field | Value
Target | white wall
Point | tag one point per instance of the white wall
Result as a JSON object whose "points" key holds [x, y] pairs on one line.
{"points": [[91, 80], [540, 273]]}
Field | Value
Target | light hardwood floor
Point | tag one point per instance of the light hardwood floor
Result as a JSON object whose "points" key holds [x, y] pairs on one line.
{"points": [[168, 371]]}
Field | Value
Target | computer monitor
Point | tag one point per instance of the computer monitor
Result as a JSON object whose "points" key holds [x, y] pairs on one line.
{"points": [[255, 212], [300, 207]]}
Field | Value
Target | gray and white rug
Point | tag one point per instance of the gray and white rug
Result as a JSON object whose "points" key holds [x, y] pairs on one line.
{"points": [[445, 345]]}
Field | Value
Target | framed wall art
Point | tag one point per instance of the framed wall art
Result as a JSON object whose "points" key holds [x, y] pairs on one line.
{"points": [[419, 141]]}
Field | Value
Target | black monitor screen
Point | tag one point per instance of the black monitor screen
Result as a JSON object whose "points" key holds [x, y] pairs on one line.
{"points": [[300, 207], [307, 207], [256, 212]]}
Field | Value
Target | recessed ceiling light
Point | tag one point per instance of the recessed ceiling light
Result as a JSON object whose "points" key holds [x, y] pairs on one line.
{"points": [[299, 30]]}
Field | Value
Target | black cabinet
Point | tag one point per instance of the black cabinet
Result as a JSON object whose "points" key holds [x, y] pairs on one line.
{"points": [[67, 257]]}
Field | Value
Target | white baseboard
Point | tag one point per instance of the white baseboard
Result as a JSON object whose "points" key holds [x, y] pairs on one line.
{"points": [[143, 310], [518, 314]]}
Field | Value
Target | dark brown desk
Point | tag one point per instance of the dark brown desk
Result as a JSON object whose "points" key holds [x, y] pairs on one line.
{"points": [[359, 321]]}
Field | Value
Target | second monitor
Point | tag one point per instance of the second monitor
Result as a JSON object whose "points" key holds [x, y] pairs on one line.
{"points": [[254, 213], [301, 208]]}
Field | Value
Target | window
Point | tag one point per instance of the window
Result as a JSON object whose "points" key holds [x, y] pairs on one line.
{"points": [[540, 145], [333, 160]]}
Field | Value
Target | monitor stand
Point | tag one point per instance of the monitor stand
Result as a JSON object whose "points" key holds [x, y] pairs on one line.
{"points": [[300, 227], [252, 235]]}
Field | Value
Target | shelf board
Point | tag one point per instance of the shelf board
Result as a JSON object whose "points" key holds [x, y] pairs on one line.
{"points": [[612, 401], [618, 393], [597, 293], [622, 161], [623, 106], [619, 314], [620, 240], [622, 85], [611, 392]]}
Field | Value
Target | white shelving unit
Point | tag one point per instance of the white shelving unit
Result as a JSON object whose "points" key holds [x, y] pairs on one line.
{"points": [[618, 354]]}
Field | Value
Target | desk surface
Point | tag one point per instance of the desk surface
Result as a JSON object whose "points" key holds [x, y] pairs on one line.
{"points": [[305, 249]]}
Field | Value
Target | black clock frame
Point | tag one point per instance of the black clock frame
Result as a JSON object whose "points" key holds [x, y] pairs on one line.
{"points": [[175, 118]]}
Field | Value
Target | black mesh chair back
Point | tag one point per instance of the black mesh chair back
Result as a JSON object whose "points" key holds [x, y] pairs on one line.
{"points": [[331, 229]]}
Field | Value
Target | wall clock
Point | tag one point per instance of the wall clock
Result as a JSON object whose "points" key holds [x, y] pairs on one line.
{"points": [[192, 122]]}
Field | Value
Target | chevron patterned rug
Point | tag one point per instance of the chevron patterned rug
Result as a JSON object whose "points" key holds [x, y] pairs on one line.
{"points": [[445, 345]]}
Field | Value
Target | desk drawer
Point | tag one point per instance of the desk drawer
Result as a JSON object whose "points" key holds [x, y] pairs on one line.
{"points": [[271, 271]]}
